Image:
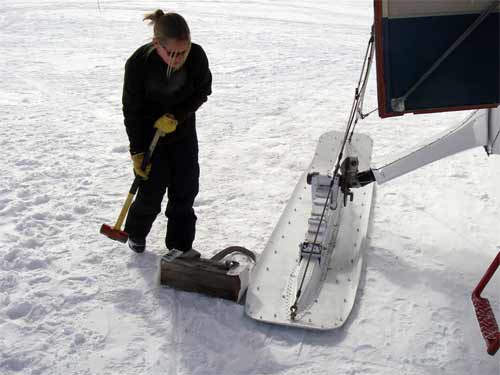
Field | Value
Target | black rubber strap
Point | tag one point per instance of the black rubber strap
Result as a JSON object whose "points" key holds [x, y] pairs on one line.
{"points": [[230, 250]]}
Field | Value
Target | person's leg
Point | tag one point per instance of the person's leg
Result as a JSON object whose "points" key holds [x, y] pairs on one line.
{"points": [[147, 203], [182, 191]]}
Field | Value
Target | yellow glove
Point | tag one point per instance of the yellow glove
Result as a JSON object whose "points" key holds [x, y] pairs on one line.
{"points": [[137, 159], [166, 123]]}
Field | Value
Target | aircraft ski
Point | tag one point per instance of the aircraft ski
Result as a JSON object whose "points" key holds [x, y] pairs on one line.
{"points": [[316, 248]]}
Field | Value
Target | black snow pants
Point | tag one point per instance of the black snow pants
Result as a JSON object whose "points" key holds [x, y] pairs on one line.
{"points": [[174, 166]]}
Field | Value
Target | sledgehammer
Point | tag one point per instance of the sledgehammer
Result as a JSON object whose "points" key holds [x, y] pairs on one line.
{"points": [[115, 232]]}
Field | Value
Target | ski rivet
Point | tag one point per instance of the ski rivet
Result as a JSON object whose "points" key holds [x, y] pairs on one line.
{"points": [[276, 252], [275, 315], [349, 280], [345, 301], [352, 260], [258, 288], [267, 268]]}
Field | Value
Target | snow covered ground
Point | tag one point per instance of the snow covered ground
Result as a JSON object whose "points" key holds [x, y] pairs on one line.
{"points": [[74, 302]]}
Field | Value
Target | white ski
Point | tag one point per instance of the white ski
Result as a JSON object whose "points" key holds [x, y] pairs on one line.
{"points": [[326, 271]]}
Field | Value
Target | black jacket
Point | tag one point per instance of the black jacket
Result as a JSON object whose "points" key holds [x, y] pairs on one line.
{"points": [[148, 94]]}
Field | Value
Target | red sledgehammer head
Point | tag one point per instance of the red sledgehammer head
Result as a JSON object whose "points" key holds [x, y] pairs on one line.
{"points": [[114, 234]]}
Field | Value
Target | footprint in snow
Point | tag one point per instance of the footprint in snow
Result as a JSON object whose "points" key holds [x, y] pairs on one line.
{"points": [[24, 193], [32, 243], [79, 339], [41, 216], [39, 280], [41, 199], [8, 281], [19, 310], [15, 364], [64, 217], [128, 300], [27, 163], [80, 210]]}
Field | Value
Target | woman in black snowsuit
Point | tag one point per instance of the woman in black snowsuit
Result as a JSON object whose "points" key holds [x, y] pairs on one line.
{"points": [[166, 81]]}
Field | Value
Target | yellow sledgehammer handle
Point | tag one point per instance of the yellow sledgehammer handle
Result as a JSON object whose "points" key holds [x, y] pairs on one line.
{"points": [[123, 212]]}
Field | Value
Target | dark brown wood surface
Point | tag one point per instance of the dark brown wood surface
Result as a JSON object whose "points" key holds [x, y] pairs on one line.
{"points": [[200, 276]]}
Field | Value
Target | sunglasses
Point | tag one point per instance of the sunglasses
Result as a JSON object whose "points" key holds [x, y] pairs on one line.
{"points": [[172, 53]]}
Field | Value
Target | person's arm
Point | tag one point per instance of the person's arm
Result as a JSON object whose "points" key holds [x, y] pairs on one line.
{"points": [[133, 100], [203, 88]]}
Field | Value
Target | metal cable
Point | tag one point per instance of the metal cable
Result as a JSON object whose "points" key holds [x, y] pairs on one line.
{"points": [[363, 80], [356, 106]]}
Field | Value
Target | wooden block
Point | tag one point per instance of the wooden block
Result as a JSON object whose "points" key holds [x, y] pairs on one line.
{"points": [[206, 277]]}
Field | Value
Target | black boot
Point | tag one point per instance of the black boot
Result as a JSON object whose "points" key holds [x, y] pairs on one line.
{"points": [[188, 254], [137, 244]]}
